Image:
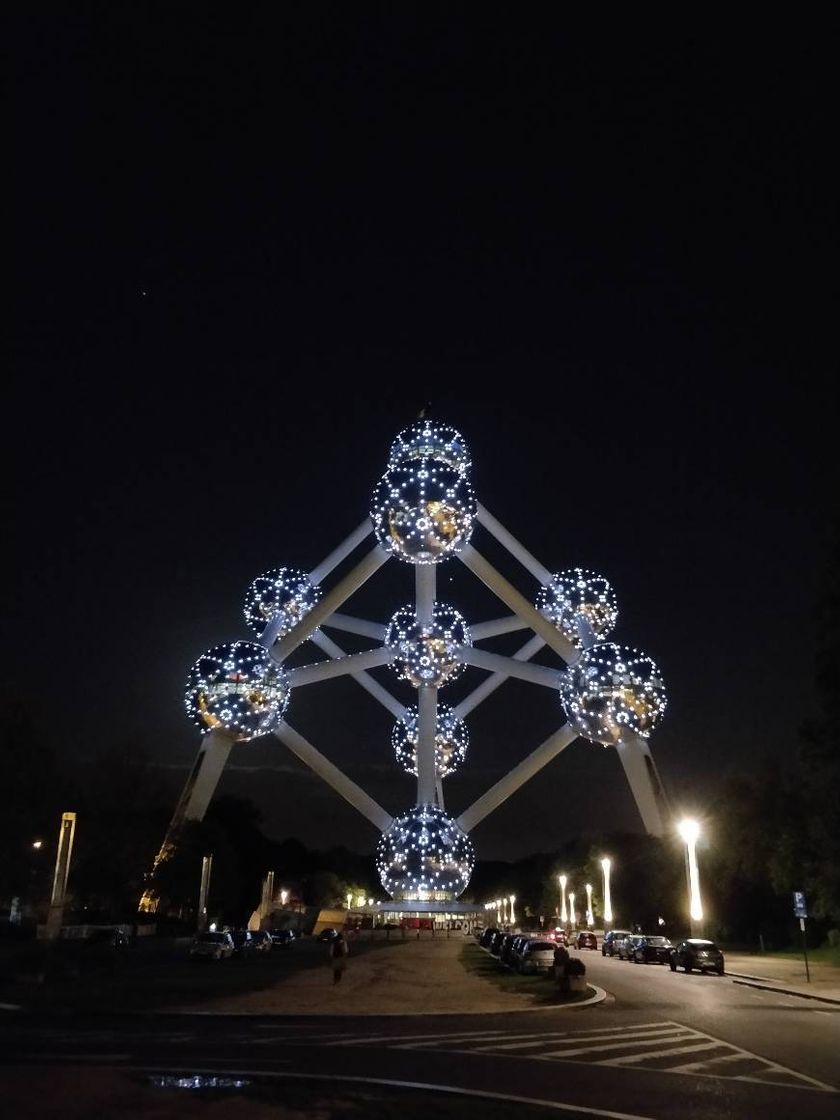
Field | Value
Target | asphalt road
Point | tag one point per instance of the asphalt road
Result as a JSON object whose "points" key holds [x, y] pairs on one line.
{"points": [[661, 1044]]}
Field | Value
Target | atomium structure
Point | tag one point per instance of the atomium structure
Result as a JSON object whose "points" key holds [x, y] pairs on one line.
{"points": [[424, 514]]}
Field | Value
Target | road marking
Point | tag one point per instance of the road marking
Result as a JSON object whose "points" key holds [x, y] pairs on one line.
{"points": [[631, 1046]]}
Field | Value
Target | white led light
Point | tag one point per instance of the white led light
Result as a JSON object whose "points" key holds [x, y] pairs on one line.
{"points": [[238, 688], [424, 854], [611, 690], [579, 593], [427, 653], [451, 741], [282, 596]]}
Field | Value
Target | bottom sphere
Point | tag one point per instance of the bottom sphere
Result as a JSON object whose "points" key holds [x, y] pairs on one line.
{"points": [[424, 855]]}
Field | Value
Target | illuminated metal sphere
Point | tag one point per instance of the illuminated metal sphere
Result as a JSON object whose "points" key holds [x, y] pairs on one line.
{"points": [[579, 592], [611, 689], [423, 511], [283, 593], [238, 688], [427, 653], [427, 440], [451, 741], [424, 855]]}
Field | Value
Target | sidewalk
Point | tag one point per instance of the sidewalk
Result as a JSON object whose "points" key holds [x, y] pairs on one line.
{"points": [[415, 977], [779, 974]]}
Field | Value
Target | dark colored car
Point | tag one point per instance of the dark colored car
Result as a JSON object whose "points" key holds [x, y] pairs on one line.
{"points": [[487, 936], [652, 949], [586, 940], [697, 953], [327, 934], [282, 938], [609, 946], [262, 939], [559, 936], [495, 945], [212, 945], [244, 944]]}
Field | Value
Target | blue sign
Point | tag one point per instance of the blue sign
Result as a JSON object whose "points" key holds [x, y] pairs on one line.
{"points": [[800, 907]]}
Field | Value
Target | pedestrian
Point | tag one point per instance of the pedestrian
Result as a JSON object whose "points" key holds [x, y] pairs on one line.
{"points": [[338, 950]]}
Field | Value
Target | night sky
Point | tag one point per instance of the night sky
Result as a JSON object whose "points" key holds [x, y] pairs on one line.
{"points": [[251, 245]]}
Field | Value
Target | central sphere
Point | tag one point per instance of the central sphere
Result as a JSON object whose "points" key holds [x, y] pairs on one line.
{"points": [[281, 595], [423, 511], [424, 855], [451, 741], [427, 653], [610, 690], [237, 688]]}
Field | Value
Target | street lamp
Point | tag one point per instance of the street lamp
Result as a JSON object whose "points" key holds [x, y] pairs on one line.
{"points": [[349, 900], [572, 909], [590, 918], [608, 914], [564, 917], [512, 918], [689, 830], [37, 844], [284, 894]]}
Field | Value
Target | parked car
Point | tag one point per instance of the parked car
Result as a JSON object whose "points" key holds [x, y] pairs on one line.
{"points": [[506, 948], [609, 946], [652, 949], [696, 952], [586, 940], [537, 956], [625, 946], [262, 940], [211, 946], [495, 945], [244, 944], [282, 938], [487, 936], [559, 936], [327, 934]]}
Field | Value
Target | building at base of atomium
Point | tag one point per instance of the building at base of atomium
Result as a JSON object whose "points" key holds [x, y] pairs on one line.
{"points": [[423, 515]]}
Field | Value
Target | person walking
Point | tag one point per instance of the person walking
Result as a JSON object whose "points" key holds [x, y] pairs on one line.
{"points": [[338, 950]]}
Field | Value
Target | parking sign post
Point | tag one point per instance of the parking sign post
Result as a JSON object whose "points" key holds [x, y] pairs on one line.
{"points": [[800, 910]]}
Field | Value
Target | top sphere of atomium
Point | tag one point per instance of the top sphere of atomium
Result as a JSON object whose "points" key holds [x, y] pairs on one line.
{"points": [[237, 688], [427, 653], [427, 440], [579, 594], [281, 596], [424, 854], [423, 511], [611, 690]]}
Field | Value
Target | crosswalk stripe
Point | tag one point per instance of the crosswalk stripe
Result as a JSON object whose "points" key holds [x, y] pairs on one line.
{"points": [[434, 1039], [630, 1059], [675, 1036], [661, 1033]]}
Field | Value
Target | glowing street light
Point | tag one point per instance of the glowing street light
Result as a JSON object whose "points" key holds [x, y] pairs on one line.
{"points": [[590, 918], [499, 911], [512, 900], [606, 863], [37, 844], [572, 917], [284, 894], [689, 830], [564, 917], [349, 900]]}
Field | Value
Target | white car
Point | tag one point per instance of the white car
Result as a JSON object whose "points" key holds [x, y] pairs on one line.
{"points": [[212, 946], [536, 956]]}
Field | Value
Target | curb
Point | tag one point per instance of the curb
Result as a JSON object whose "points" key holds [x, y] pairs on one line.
{"points": [[752, 982]]}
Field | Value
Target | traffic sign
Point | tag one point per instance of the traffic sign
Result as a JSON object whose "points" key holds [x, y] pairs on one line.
{"points": [[800, 907]]}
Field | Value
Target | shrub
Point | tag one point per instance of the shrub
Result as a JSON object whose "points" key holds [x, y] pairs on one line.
{"points": [[575, 967], [834, 938]]}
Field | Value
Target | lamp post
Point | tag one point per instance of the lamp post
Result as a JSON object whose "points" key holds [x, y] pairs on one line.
{"points": [[606, 863], [572, 909], [284, 894], [564, 917], [689, 830], [498, 911], [512, 918], [590, 917]]}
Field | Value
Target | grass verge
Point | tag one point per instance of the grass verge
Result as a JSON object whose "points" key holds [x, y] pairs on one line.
{"points": [[540, 987]]}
